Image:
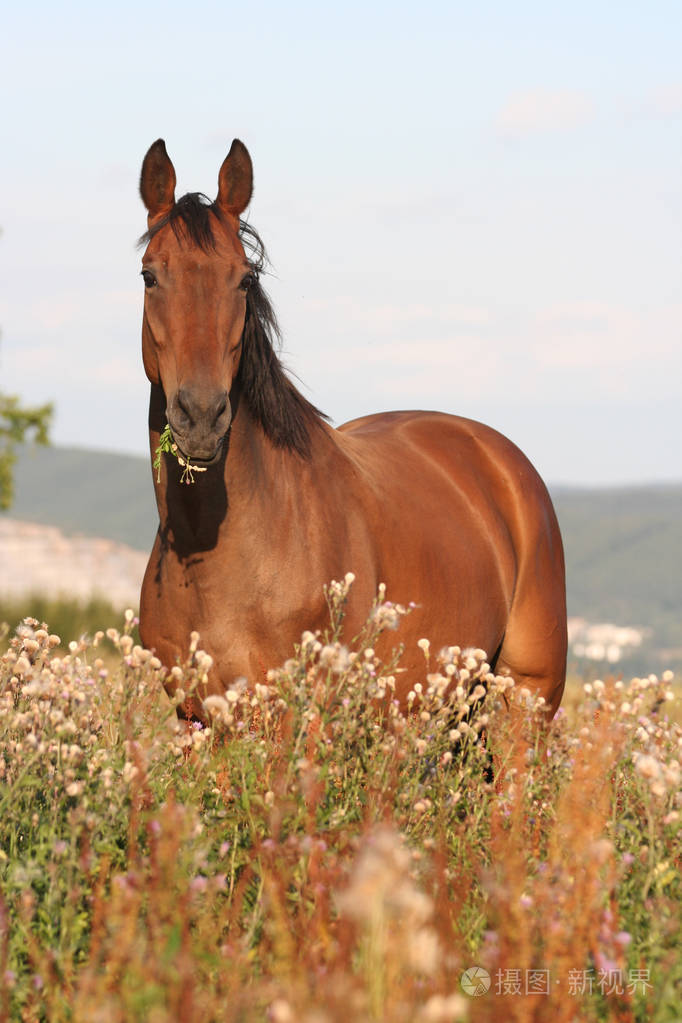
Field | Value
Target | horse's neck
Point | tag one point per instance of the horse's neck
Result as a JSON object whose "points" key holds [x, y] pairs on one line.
{"points": [[255, 488]]}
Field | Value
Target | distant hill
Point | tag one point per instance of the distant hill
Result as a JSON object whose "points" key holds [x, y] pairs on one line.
{"points": [[624, 564], [623, 545], [95, 493]]}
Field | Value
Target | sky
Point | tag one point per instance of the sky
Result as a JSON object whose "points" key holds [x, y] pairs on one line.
{"points": [[469, 207]]}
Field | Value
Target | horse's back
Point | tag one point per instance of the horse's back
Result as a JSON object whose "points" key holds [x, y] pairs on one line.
{"points": [[465, 457]]}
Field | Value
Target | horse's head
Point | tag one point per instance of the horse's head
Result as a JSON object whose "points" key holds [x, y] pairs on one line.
{"points": [[196, 278]]}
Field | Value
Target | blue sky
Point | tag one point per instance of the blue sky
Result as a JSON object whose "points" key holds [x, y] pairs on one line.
{"points": [[468, 207]]}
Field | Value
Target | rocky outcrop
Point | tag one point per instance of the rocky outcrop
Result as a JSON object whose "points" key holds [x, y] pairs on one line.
{"points": [[42, 560]]}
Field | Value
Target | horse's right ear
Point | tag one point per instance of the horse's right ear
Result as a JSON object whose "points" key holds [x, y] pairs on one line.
{"points": [[157, 182]]}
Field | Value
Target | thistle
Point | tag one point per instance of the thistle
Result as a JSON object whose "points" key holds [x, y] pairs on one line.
{"points": [[168, 446]]}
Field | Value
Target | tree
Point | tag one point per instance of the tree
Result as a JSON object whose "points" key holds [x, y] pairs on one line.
{"points": [[18, 424]]}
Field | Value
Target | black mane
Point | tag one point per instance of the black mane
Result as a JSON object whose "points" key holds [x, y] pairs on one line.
{"points": [[286, 417]]}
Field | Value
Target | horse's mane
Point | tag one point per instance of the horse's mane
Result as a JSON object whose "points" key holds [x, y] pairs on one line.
{"points": [[286, 417]]}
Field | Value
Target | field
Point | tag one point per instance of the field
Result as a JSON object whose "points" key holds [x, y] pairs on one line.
{"points": [[315, 855]]}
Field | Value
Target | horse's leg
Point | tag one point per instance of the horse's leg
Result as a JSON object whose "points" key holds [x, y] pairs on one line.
{"points": [[533, 650]]}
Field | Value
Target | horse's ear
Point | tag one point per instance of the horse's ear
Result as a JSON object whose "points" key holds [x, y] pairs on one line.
{"points": [[157, 182], [235, 180]]}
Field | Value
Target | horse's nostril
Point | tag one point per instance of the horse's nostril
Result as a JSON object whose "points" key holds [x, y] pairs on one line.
{"points": [[193, 409], [221, 406], [184, 402]]}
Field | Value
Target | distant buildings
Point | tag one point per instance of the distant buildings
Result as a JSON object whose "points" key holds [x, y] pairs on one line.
{"points": [[603, 642]]}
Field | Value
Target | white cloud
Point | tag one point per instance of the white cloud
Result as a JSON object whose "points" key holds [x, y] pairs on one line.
{"points": [[538, 111]]}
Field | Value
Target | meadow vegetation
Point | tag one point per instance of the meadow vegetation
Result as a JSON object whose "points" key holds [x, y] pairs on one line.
{"points": [[313, 854]]}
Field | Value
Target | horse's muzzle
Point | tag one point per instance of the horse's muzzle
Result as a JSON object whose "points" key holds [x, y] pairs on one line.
{"points": [[199, 422]]}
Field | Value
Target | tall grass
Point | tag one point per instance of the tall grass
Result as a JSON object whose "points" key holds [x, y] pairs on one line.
{"points": [[314, 854]]}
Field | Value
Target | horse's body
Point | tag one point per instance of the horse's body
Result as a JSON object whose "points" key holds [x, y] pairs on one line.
{"points": [[444, 511]]}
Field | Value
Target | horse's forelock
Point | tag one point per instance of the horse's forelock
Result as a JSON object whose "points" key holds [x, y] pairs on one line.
{"points": [[190, 219]]}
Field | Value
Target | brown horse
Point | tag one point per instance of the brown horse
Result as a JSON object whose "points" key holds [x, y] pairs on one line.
{"points": [[445, 511]]}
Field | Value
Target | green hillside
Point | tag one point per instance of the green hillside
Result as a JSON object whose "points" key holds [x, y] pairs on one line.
{"points": [[91, 492], [623, 545], [623, 551], [624, 564]]}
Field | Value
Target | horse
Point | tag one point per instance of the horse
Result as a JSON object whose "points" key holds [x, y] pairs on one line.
{"points": [[445, 511]]}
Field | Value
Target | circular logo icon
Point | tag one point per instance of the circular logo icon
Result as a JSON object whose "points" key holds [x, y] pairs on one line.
{"points": [[475, 981]]}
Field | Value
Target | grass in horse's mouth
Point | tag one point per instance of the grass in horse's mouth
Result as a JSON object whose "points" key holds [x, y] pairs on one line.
{"points": [[167, 445]]}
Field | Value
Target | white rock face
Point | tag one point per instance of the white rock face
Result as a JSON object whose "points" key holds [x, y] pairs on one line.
{"points": [[42, 560]]}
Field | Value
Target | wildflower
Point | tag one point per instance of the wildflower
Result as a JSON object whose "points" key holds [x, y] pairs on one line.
{"points": [[647, 766], [280, 1012], [443, 1009], [671, 774], [381, 884], [204, 661], [22, 665], [424, 950], [125, 644], [335, 658], [386, 616]]}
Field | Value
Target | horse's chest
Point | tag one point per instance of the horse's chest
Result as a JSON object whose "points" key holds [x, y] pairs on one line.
{"points": [[247, 619]]}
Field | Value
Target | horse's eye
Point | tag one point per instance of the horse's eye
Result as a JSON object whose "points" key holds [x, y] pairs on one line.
{"points": [[149, 279], [247, 281]]}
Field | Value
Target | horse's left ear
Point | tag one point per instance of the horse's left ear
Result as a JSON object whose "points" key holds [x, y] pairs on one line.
{"points": [[235, 180]]}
